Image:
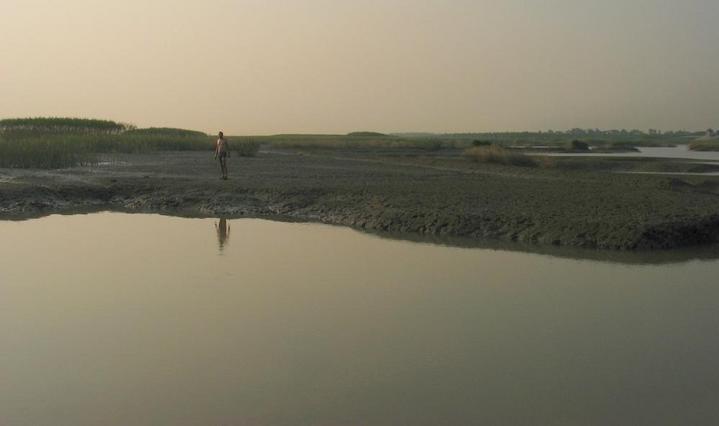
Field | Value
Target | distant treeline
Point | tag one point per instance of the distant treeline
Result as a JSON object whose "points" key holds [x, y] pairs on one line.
{"points": [[165, 131]]}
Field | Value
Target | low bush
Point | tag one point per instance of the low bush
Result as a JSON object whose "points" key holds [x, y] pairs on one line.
{"points": [[245, 147], [498, 155], [577, 145]]}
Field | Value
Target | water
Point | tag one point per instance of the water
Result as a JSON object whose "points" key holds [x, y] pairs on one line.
{"points": [[678, 152], [119, 319]]}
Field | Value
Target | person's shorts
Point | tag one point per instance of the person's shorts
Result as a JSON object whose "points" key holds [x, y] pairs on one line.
{"points": [[223, 154]]}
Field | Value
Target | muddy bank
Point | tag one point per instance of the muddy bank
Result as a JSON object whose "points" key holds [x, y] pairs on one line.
{"points": [[411, 195]]}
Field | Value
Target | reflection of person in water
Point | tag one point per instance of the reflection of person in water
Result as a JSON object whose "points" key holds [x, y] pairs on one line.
{"points": [[223, 232]]}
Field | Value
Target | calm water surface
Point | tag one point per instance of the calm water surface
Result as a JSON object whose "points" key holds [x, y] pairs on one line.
{"points": [[112, 319], [678, 152]]}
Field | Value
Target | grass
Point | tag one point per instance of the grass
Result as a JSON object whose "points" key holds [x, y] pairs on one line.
{"points": [[61, 143], [165, 132], [62, 151], [353, 141], [43, 125], [708, 145], [44, 153], [498, 155], [64, 142]]}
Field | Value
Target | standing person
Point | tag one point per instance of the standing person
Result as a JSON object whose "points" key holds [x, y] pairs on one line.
{"points": [[222, 152]]}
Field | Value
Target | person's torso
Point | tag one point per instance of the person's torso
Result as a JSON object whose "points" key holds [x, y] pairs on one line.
{"points": [[221, 145]]}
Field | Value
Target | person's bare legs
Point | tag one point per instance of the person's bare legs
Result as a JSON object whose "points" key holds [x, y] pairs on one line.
{"points": [[223, 167]]}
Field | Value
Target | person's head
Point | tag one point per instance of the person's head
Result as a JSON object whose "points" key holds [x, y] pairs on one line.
{"points": [[222, 135]]}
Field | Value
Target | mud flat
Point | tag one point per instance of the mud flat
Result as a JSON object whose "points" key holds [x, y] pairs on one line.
{"points": [[414, 195]]}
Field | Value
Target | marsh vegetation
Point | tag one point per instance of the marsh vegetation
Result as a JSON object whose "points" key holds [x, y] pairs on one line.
{"points": [[498, 155], [49, 143]]}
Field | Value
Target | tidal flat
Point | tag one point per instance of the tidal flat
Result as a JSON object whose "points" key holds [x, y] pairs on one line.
{"points": [[572, 202]]}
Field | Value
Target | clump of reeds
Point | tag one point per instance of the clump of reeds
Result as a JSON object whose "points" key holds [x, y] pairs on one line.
{"points": [[43, 153], [712, 145], [43, 125], [66, 142], [245, 147], [498, 155]]}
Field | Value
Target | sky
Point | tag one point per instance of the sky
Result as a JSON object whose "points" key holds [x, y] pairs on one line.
{"points": [[335, 66]]}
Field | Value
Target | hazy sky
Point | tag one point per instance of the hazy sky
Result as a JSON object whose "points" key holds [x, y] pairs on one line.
{"points": [[271, 66]]}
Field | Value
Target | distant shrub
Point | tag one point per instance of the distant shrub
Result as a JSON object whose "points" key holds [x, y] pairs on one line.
{"points": [[245, 148], [498, 155], [577, 145], [478, 142]]}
